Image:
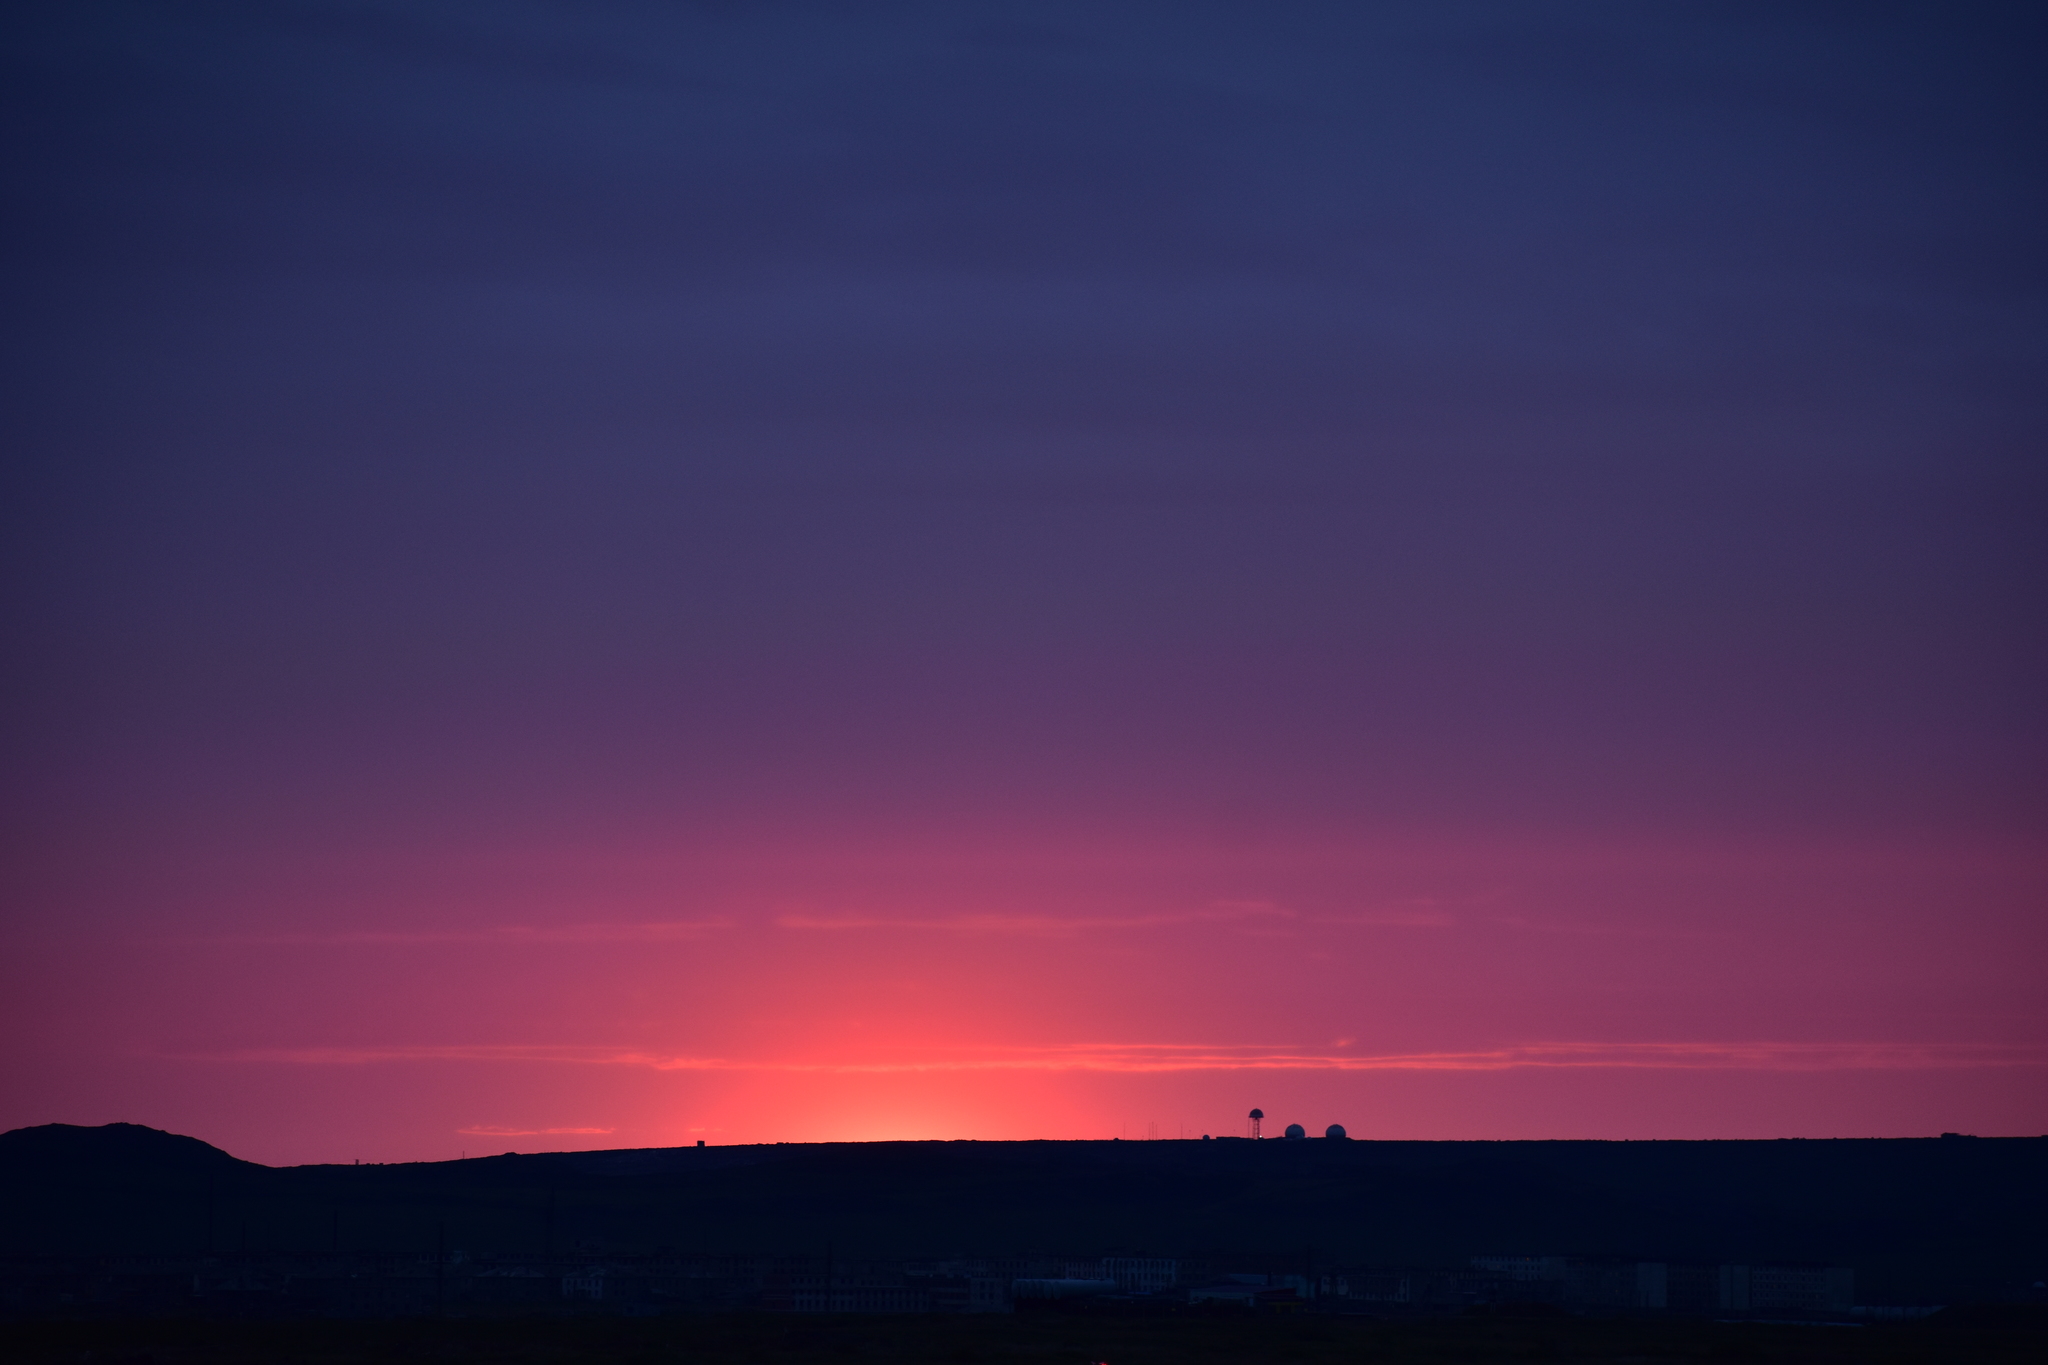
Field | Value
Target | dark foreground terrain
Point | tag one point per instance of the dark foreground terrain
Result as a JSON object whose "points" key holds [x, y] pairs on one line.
{"points": [[1992, 1336], [1922, 1221]]}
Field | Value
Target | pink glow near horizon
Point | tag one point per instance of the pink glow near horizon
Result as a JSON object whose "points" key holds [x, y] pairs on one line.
{"points": [[1517, 991]]}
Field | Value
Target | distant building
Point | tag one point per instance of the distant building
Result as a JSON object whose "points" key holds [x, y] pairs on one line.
{"points": [[1693, 1289], [589, 1285], [404, 1284], [1246, 1294], [1615, 1285], [1022, 1290], [1641, 1286], [1250, 1295], [1227, 1294], [1524, 1268], [1141, 1275], [1709, 1289], [1795, 1288]]}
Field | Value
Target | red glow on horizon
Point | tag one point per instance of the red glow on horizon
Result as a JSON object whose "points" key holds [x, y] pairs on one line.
{"points": [[1495, 995]]}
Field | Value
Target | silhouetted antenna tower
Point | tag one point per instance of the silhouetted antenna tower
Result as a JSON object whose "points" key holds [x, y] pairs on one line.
{"points": [[1257, 1114]]}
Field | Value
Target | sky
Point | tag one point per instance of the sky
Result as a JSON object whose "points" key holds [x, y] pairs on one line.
{"points": [[616, 574]]}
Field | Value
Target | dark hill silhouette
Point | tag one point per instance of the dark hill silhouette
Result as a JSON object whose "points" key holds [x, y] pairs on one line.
{"points": [[114, 1148], [116, 1188], [1928, 1220]]}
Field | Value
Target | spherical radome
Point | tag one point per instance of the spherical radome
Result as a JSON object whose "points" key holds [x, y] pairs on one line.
{"points": [[1335, 1130], [1257, 1114], [1295, 1130]]}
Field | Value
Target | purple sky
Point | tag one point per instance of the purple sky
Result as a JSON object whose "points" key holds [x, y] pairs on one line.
{"points": [[1511, 526]]}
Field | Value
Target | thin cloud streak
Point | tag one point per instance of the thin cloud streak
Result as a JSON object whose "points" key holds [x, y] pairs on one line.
{"points": [[1751, 1056], [1222, 912], [1390, 919], [659, 931]]}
